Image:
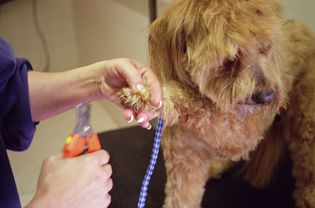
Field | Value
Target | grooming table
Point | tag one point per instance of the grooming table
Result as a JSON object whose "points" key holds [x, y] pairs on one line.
{"points": [[130, 151]]}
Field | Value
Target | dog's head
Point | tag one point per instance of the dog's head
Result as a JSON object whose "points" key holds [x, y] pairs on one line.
{"points": [[224, 49]]}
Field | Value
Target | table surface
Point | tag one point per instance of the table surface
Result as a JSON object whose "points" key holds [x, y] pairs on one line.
{"points": [[130, 151]]}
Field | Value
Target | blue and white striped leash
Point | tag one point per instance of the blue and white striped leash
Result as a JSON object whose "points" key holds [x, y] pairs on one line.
{"points": [[154, 156]]}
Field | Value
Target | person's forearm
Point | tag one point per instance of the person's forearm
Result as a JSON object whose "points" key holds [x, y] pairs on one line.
{"points": [[53, 93]]}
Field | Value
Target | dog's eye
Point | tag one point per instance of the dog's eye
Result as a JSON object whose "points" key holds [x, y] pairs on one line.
{"points": [[228, 63], [232, 65], [263, 97]]}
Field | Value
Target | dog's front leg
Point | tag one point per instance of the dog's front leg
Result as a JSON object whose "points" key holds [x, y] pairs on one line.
{"points": [[187, 167]]}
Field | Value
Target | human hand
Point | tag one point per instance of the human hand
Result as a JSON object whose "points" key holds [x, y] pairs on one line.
{"points": [[119, 73], [79, 182]]}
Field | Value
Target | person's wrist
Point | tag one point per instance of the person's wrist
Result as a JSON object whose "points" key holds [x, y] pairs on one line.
{"points": [[100, 90], [91, 82]]}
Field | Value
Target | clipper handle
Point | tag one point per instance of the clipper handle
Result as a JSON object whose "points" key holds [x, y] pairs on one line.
{"points": [[77, 144]]}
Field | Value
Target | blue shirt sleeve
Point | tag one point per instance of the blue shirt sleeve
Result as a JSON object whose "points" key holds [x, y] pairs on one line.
{"points": [[16, 123]]}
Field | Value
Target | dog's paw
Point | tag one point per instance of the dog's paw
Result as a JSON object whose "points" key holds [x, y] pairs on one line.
{"points": [[136, 99]]}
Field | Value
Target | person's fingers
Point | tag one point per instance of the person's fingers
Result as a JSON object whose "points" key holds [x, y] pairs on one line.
{"points": [[108, 199], [136, 75], [155, 87], [128, 115], [107, 169], [128, 70], [100, 156], [147, 125], [151, 79], [147, 115], [108, 185], [143, 122], [139, 66], [140, 118]]}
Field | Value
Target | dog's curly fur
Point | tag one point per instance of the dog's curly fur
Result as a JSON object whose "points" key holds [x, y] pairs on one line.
{"points": [[238, 83]]}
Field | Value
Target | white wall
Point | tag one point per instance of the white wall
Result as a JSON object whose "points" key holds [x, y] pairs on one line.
{"points": [[106, 29], [301, 10], [56, 21]]}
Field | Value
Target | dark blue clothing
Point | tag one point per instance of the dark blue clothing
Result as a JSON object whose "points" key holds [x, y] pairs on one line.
{"points": [[16, 126]]}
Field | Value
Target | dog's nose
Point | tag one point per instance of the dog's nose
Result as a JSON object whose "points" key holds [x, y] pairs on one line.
{"points": [[264, 97]]}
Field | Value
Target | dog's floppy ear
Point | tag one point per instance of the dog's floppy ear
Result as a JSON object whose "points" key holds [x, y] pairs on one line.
{"points": [[167, 43], [259, 170]]}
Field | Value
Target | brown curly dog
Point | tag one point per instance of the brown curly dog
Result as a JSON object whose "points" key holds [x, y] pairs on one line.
{"points": [[238, 84]]}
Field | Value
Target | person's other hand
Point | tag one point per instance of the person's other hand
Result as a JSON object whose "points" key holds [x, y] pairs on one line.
{"points": [[119, 73], [79, 182]]}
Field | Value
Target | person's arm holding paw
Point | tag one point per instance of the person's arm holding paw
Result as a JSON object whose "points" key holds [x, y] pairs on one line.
{"points": [[52, 93]]}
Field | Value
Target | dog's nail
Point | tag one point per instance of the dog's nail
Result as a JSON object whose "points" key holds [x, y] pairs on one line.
{"points": [[139, 87], [140, 120], [131, 119]]}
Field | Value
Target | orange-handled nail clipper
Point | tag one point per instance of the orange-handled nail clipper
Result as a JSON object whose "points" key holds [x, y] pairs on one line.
{"points": [[83, 139]]}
